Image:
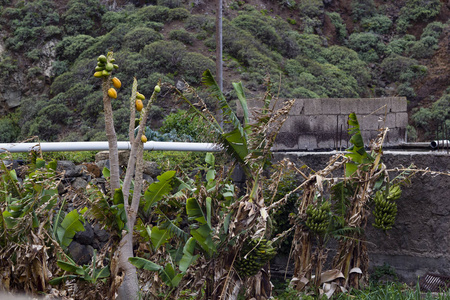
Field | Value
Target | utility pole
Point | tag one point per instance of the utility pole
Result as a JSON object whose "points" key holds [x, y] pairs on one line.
{"points": [[219, 46]]}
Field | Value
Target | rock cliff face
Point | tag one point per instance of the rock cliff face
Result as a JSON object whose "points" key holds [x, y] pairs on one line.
{"points": [[28, 72]]}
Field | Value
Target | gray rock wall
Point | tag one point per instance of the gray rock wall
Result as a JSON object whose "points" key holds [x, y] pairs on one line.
{"points": [[322, 123], [419, 242]]}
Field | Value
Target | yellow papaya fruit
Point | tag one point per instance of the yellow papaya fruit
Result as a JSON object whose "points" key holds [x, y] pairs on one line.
{"points": [[98, 74], [139, 105], [112, 93], [116, 83], [143, 138]]}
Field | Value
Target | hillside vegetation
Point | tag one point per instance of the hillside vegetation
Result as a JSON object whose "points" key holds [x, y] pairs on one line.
{"points": [[310, 48]]}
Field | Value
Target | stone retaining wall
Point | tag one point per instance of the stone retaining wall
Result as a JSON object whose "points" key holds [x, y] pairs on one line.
{"points": [[419, 242], [322, 123]]}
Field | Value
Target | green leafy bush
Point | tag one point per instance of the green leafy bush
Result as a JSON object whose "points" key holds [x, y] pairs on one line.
{"points": [[400, 45], [400, 68], [368, 45], [81, 16], [310, 8], [193, 65], [113, 40], [164, 56], [363, 9], [434, 29], [379, 24], [136, 39], [200, 22], [183, 123], [348, 61], [10, 128], [152, 13], [182, 36], [417, 10], [339, 25], [429, 119], [72, 46], [169, 3], [178, 14], [260, 27]]}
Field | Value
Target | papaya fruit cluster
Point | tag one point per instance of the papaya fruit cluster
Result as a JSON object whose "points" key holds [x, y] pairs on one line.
{"points": [[253, 256], [386, 207], [104, 69], [318, 218]]}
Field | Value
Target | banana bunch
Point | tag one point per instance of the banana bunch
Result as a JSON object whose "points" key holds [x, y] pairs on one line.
{"points": [[385, 208], [318, 217], [253, 256]]}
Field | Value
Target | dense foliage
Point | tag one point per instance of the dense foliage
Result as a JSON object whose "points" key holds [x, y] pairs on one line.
{"points": [[379, 55]]}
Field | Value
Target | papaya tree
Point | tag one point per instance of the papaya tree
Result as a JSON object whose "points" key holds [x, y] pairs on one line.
{"points": [[128, 287]]}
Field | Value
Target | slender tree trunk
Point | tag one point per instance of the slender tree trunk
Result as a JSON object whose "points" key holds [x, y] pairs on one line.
{"points": [[112, 137], [129, 289]]}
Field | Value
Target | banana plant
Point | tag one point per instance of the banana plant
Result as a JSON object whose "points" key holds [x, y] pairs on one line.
{"points": [[89, 273]]}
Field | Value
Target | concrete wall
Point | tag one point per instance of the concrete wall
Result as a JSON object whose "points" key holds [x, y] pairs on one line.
{"points": [[322, 123], [419, 242]]}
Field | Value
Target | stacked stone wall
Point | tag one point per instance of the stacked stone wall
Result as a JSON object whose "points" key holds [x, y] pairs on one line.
{"points": [[315, 124]]}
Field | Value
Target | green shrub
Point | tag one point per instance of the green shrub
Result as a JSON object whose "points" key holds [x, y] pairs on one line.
{"points": [[147, 84], [183, 123], [379, 24], [424, 48], [59, 67], [132, 64], [415, 10], [368, 45], [260, 27], [113, 40], [8, 66], [433, 29], [339, 25], [72, 46], [81, 16], [111, 19], [178, 14], [10, 128], [152, 13], [193, 65], [303, 93], [169, 3], [348, 61], [164, 56], [429, 119], [363, 9], [137, 38], [310, 8], [182, 36], [400, 45], [400, 68], [310, 45], [200, 22], [406, 90]]}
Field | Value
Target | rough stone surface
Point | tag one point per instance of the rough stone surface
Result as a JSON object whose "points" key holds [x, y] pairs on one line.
{"points": [[151, 168], [100, 234], [79, 183], [419, 242], [69, 168], [81, 254], [85, 237], [315, 124]]}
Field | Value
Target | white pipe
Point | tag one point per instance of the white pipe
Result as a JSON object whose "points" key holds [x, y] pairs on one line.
{"points": [[102, 146], [440, 144]]}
